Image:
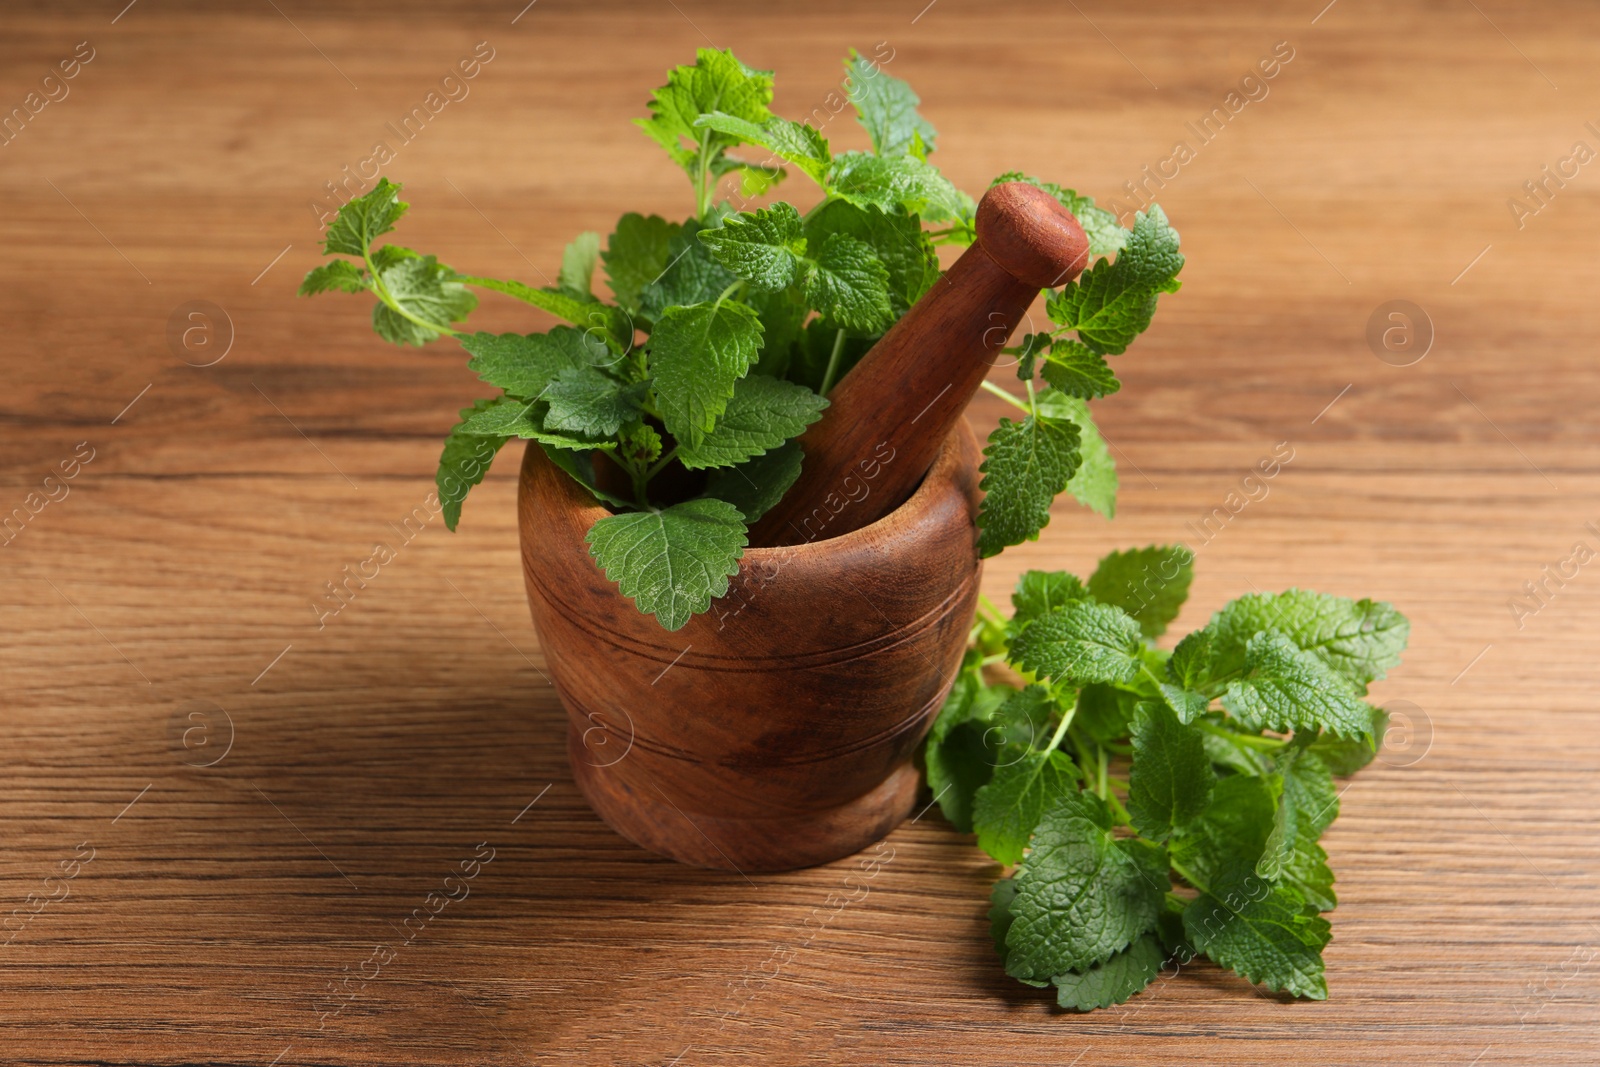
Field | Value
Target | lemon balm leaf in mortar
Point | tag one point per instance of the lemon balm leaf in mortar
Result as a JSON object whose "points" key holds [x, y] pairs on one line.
{"points": [[588, 403], [1095, 483], [886, 107], [635, 255], [1026, 464], [420, 298], [905, 182], [795, 142], [363, 220], [671, 562], [697, 354], [463, 463], [762, 414], [524, 365], [1112, 302], [1076, 370], [336, 275], [757, 484], [765, 248], [717, 81], [849, 285], [895, 237], [691, 276], [577, 264]]}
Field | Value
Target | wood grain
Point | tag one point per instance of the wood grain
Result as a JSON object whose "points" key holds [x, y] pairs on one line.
{"points": [[372, 756]]}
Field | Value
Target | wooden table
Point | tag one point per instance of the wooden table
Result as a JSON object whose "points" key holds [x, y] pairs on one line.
{"points": [[371, 755]]}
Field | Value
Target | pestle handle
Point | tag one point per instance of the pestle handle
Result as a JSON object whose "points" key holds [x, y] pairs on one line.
{"points": [[888, 417]]}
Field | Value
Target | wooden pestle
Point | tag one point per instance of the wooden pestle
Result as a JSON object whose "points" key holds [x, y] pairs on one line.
{"points": [[889, 416]]}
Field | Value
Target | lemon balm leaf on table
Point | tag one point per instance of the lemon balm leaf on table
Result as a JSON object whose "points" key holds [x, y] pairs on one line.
{"points": [[1154, 832]]}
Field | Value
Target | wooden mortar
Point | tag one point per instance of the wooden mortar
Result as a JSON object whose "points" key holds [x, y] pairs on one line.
{"points": [[777, 730]]}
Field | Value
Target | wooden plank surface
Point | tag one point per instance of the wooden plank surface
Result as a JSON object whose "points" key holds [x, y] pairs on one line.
{"points": [[371, 757]]}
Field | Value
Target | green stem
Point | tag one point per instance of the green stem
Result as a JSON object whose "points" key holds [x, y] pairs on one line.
{"points": [[661, 464], [641, 496], [1268, 744], [703, 187], [1003, 395], [833, 362], [1033, 404], [1116, 806], [1186, 876]]}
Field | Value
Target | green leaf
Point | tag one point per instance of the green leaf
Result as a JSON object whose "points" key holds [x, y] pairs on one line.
{"points": [[1266, 934], [1080, 643], [763, 413], [1114, 980], [691, 276], [579, 465], [426, 289], [781, 314], [601, 320], [897, 239], [1285, 688], [716, 82], [1358, 639], [1027, 463], [1346, 757], [906, 182], [763, 247], [1077, 370], [1095, 484], [1009, 806], [591, 404], [1041, 592], [849, 284], [1190, 665], [959, 755], [1171, 779], [886, 108], [364, 219], [1150, 584], [671, 562], [1231, 832], [697, 354], [509, 417], [577, 264], [1106, 235], [957, 767], [463, 463], [1105, 713], [524, 365], [1308, 805], [1000, 900], [1113, 301], [757, 484], [335, 275], [1082, 893], [798, 143], [636, 254]]}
